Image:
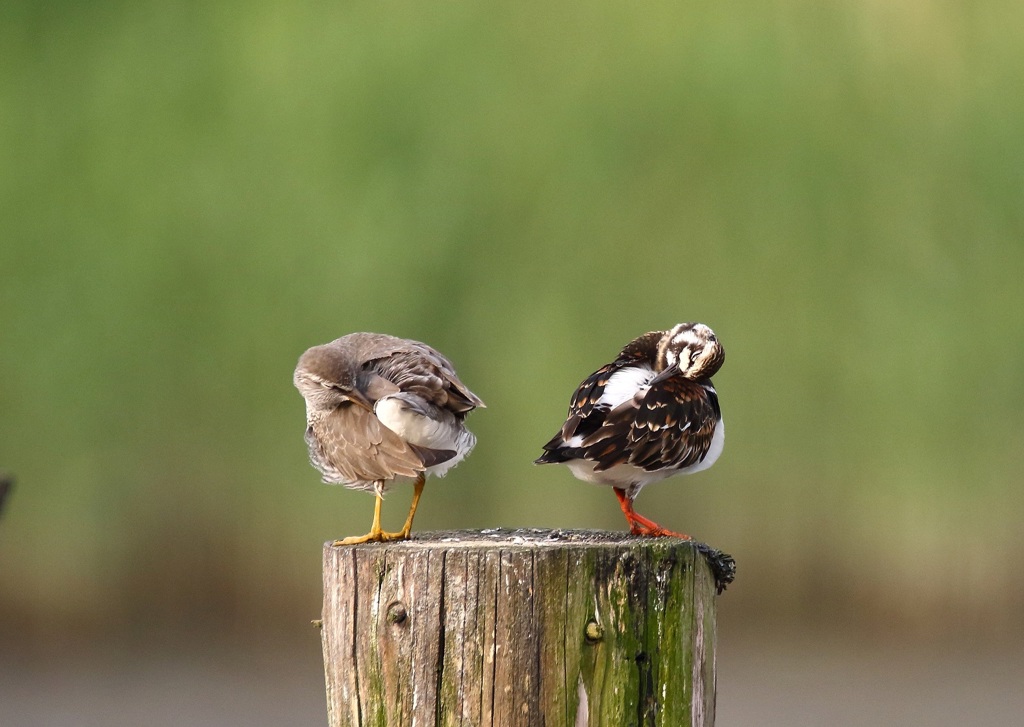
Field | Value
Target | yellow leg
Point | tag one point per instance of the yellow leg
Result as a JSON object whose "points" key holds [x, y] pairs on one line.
{"points": [[403, 534], [375, 534]]}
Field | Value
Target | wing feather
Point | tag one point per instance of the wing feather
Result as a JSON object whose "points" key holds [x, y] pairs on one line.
{"points": [[583, 418], [673, 425], [356, 444], [670, 426], [423, 371], [585, 414]]}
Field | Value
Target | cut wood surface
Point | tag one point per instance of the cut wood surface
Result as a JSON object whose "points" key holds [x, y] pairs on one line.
{"points": [[509, 628]]}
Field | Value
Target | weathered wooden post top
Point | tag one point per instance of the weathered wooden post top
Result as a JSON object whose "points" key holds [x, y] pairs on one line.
{"points": [[510, 628]]}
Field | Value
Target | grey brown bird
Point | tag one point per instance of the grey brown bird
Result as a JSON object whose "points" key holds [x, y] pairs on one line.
{"points": [[381, 410], [650, 414]]}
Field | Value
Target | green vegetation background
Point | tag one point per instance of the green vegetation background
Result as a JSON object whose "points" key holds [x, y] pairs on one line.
{"points": [[193, 193]]}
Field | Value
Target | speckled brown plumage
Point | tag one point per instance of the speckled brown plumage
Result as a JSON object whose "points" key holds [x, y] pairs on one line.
{"points": [[651, 413], [380, 410]]}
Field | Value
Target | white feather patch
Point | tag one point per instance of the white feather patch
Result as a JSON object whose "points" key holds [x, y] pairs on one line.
{"points": [[624, 384], [415, 428], [412, 426]]}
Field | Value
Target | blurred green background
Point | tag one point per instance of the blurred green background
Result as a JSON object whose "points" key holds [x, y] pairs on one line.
{"points": [[193, 193]]}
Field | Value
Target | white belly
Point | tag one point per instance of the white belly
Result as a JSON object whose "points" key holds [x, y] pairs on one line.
{"points": [[621, 475], [627, 475]]}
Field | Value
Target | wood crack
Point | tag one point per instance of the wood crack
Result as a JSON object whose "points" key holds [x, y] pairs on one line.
{"points": [[355, 637], [441, 631]]}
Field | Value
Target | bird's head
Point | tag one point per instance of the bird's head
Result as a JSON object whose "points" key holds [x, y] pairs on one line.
{"points": [[694, 348], [326, 379]]}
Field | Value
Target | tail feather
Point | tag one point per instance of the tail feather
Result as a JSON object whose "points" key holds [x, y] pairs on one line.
{"points": [[556, 456], [433, 457]]}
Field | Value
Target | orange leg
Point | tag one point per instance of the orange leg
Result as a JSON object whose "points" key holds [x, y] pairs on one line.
{"points": [[374, 536], [403, 534], [638, 524]]}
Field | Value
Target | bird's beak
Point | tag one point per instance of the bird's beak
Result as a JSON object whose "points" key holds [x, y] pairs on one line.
{"points": [[666, 374], [359, 399]]}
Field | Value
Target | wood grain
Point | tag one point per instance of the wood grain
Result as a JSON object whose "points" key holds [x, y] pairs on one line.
{"points": [[519, 628]]}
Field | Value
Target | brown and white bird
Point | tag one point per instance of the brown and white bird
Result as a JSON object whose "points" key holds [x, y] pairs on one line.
{"points": [[380, 410], [650, 414]]}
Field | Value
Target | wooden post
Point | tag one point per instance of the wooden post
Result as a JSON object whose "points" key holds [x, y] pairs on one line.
{"points": [[510, 628]]}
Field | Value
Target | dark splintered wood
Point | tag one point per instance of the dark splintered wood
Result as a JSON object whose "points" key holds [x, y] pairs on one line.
{"points": [[519, 628]]}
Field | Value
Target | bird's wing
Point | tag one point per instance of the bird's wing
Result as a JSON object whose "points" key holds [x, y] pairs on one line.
{"points": [[587, 395], [421, 370], [669, 427], [585, 415], [362, 449]]}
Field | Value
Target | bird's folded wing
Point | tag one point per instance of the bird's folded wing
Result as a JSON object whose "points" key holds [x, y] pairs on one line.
{"points": [[362, 448], [671, 427], [585, 416], [425, 372], [585, 398]]}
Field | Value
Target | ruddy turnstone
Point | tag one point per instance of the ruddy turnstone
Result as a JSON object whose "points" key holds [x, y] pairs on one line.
{"points": [[650, 414], [381, 410]]}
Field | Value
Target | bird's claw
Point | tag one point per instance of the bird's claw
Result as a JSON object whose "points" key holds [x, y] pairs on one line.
{"points": [[400, 535], [373, 537], [656, 532]]}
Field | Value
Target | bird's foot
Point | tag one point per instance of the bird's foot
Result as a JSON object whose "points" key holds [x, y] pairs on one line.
{"points": [[378, 536], [402, 534], [370, 537], [652, 530], [640, 525]]}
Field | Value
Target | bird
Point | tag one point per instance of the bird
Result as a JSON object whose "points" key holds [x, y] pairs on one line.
{"points": [[6, 485], [381, 410], [650, 414]]}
